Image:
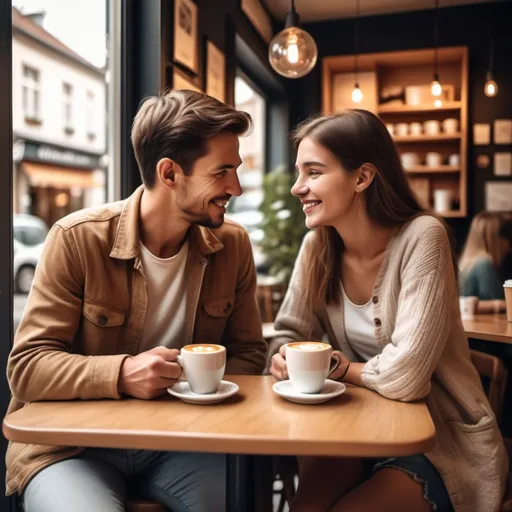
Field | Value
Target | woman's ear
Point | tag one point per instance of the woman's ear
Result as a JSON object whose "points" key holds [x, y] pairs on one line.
{"points": [[366, 174]]}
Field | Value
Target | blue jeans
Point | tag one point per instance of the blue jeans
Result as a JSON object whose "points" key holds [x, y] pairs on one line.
{"points": [[423, 471], [100, 479]]}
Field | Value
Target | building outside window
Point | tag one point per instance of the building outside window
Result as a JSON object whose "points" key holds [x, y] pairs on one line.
{"points": [[89, 116], [30, 93], [67, 91]]}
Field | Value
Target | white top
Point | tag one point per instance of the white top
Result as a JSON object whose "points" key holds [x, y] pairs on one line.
{"points": [[166, 288], [360, 328]]}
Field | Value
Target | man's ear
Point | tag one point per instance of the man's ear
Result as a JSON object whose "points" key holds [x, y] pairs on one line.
{"points": [[366, 175], [167, 171]]}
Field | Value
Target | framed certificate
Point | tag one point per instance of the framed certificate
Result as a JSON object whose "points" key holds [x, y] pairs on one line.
{"points": [[215, 72], [185, 33]]}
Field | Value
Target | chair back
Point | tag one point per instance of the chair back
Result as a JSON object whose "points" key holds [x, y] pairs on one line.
{"points": [[494, 375]]}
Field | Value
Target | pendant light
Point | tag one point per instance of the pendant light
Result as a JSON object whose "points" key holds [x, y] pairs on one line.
{"points": [[357, 94], [435, 86], [491, 87], [293, 52]]}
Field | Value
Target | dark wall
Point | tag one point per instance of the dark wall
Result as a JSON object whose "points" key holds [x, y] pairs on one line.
{"points": [[458, 26]]}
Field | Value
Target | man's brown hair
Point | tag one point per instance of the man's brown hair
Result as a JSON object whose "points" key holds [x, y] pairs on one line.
{"points": [[177, 125]]}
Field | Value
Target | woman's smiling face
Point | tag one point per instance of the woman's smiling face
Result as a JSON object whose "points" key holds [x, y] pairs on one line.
{"points": [[326, 190]]}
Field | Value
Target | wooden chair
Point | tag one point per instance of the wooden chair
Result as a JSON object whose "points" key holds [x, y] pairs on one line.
{"points": [[494, 376], [144, 506], [494, 379], [270, 292]]}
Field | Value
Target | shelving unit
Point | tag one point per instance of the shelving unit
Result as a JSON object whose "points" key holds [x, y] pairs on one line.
{"points": [[381, 71]]}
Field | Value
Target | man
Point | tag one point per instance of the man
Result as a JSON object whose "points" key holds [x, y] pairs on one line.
{"points": [[119, 289]]}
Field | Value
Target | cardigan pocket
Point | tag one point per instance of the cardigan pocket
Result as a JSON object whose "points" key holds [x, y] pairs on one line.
{"points": [[479, 444]]}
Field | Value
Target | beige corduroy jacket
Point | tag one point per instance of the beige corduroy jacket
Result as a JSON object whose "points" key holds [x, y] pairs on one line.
{"points": [[425, 354]]}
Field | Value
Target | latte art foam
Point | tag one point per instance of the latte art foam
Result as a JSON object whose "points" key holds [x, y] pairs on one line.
{"points": [[309, 346], [204, 349]]}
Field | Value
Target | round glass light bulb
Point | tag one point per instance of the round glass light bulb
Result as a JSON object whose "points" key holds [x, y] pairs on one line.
{"points": [[435, 88], [491, 88], [357, 94], [292, 52]]}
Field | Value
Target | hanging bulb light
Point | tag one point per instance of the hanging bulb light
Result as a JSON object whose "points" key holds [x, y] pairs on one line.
{"points": [[293, 52], [435, 86], [491, 87], [357, 94]]}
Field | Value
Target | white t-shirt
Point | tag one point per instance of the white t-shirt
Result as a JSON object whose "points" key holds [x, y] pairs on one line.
{"points": [[166, 288], [359, 328]]}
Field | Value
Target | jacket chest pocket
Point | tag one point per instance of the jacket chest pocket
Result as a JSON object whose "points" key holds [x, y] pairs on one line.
{"points": [[214, 317], [102, 328]]}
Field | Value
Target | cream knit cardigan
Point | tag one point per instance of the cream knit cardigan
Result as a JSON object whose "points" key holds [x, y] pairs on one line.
{"points": [[425, 354]]}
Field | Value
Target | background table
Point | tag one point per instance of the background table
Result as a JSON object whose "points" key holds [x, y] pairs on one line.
{"points": [[359, 423], [489, 328]]}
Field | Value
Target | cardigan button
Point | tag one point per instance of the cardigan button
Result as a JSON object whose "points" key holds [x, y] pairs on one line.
{"points": [[103, 320], [375, 299], [377, 322]]}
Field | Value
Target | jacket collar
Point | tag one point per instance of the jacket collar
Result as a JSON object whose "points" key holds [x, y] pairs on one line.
{"points": [[126, 242]]}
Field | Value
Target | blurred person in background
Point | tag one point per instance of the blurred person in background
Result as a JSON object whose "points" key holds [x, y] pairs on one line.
{"points": [[481, 262]]}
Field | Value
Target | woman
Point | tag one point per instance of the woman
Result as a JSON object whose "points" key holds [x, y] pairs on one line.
{"points": [[481, 262], [377, 277]]}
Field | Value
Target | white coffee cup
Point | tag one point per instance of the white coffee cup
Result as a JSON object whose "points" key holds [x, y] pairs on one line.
{"points": [[454, 160], [390, 128], [442, 200], [203, 366], [432, 127], [468, 307], [402, 129], [416, 129], [451, 125], [508, 298], [309, 364], [433, 159]]}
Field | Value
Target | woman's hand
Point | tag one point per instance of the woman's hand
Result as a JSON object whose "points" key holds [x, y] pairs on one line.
{"points": [[278, 368], [341, 371]]}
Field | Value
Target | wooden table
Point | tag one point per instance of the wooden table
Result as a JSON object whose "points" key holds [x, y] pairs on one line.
{"points": [[359, 423], [489, 328]]}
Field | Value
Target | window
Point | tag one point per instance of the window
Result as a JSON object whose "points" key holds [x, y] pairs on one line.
{"points": [[91, 129], [67, 91], [245, 208], [30, 93]]}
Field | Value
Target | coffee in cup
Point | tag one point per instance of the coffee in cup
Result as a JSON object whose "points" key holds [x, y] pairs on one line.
{"points": [[508, 298], [309, 364], [203, 366]]}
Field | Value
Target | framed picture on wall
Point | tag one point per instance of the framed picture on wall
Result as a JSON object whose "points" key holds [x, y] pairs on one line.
{"points": [[503, 131], [215, 72], [258, 17], [185, 33], [180, 81], [498, 196]]}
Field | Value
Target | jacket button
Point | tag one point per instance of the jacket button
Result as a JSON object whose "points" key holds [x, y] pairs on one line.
{"points": [[103, 320], [377, 322], [375, 299]]}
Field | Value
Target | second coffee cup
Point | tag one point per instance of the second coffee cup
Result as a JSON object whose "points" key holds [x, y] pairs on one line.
{"points": [[203, 366], [309, 364]]}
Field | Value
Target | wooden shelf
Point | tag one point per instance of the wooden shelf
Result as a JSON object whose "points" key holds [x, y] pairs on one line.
{"points": [[407, 109], [428, 138], [452, 214], [426, 169]]}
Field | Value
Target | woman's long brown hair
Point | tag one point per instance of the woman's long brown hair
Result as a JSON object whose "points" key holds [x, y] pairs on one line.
{"points": [[355, 137]]}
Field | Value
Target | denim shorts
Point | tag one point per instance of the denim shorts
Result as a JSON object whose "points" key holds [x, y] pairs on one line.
{"points": [[423, 471]]}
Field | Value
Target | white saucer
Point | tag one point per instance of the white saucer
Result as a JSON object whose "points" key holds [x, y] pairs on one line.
{"points": [[330, 390], [181, 389]]}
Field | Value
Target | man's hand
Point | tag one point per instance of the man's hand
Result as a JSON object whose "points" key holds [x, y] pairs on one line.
{"points": [[148, 374]]}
